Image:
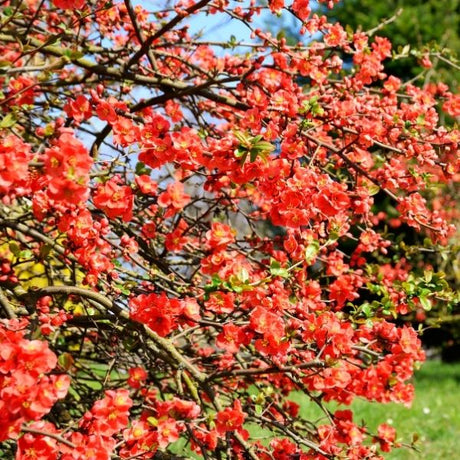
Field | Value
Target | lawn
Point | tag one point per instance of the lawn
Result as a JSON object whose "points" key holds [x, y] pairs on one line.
{"points": [[434, 416]]}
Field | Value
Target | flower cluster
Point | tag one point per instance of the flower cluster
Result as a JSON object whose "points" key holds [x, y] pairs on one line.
{"points": [[27, 390], [195, 230]]}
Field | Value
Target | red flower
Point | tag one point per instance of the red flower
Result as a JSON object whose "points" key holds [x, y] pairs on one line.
{"points": [[137, 376], [105, 111], [175, 240], [167, 432], [157, 151], [79, 109], [190, 310], [301, 8], [178, 409], [230, 419], [276, 5], [220, 236], [88, 447], [109, 415], [344, 289], [267, 323], [386, 437], [452, 105], [174, 198], [158, 312], [22, 88], [67, 190], [115, 200], [332, 199], [67, 164], [146, 184], [149, 230], [125, 132], [174, 111], [14, 165], [38, 447], [69, 4], [336, 36], [26, 391], [203, 437], [141, 441], [221, 302], [231, 338]]}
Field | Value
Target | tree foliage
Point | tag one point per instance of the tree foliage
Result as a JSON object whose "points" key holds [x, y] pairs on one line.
{"points": [[189, 235], [425, 38], [416, 28]]}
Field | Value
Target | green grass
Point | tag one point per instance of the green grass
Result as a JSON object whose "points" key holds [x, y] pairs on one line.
{"points": [[434, 416]]}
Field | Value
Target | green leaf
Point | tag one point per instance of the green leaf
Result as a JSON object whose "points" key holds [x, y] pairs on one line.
{"points": [[277, 270], [253, 155], [242, 137], [142, 169], [367, 310], [14, 248], [152, 421], [282, 272], [233, 41], [263, 146], [243, 275], [239, 152], [123, 289], [428, 275], [242, 155], [73, 54], [26, 254], [66, 361], [214, 285], [311, 251], [117, 263], [45, 250], [373, 189], [8, 121], [234, 284], [253, 146], [426, 303]]}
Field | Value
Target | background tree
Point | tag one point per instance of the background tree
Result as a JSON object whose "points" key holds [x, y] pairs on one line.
{"points": [[144, 306], [419, 28]]}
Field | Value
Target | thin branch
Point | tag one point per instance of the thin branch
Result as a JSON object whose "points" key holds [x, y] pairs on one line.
{"points": [[350, 163], [55, 436], [178, 18], [5, 304], [138, 31], [269, 370], [34, 234], [384, 23]]}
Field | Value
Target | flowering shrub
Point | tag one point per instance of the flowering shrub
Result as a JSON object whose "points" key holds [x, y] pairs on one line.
{"points": [[192, 230]]}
